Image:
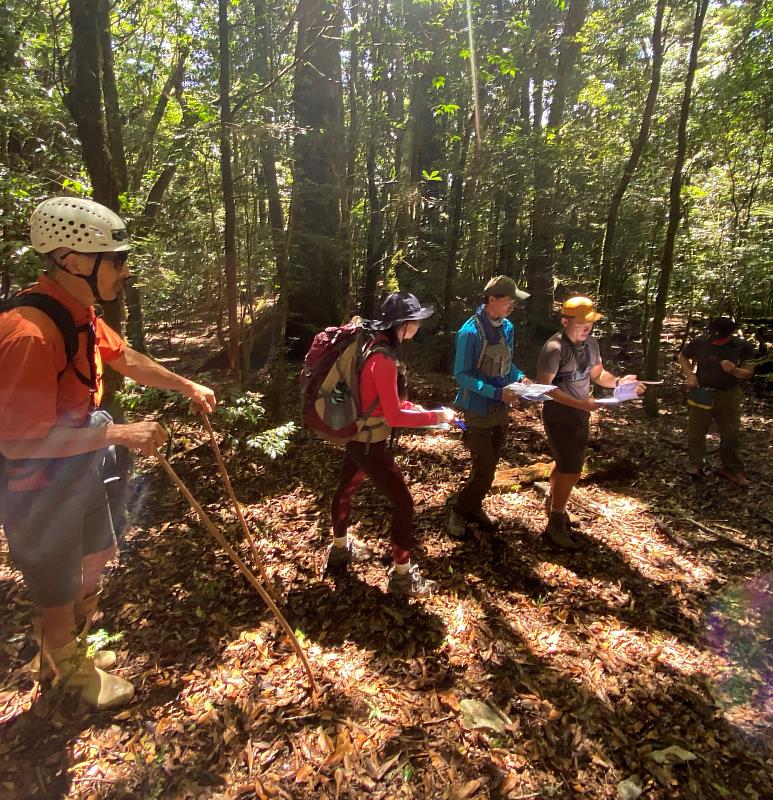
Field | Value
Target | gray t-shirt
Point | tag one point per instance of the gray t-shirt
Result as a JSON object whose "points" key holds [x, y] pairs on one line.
{"points": [[550, 361]]}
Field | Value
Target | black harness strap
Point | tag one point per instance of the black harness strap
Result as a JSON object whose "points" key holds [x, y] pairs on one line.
{"points": [[62, 318], [581, 360]]}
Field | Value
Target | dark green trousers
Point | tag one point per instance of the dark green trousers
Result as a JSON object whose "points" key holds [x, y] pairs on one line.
{"points": [[484, 438], [727, 413]]}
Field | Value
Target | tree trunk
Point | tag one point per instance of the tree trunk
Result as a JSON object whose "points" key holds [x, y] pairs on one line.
{"points": [[229, 205], [375, 247], [276, 217], [636, 153], [646, 294], [84, 99], [541, 250], [674, 213], [374, 250], [112, 103], [315, 292], [135, 326], [94, 80], [508, 231], [84, 102], [420, 147], [145, 150], [456, 194], [347, 201]]}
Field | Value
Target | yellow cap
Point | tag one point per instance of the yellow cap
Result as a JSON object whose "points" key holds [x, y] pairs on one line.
{"points": [[581, 309]]}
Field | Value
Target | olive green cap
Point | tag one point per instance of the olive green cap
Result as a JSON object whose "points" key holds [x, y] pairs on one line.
{"points": [[504, 286]]}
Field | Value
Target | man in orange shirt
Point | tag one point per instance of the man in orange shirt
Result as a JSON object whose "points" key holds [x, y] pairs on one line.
{"points": [[53, 506]]}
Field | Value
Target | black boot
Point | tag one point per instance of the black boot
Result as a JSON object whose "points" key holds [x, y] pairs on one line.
{"points": [[484, 521]]}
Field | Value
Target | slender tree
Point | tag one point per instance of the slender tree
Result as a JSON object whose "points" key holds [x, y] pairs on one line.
{"points": [[541, 249], [605, 268], [674, 211], [84, 99], [456, 196], [315, 291], [229, 205]]}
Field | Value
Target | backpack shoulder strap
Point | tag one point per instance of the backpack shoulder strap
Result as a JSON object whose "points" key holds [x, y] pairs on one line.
{"points": [[483, 340], [385, 349], [566, 353], [370, 348], [56, 312], [569, 349]]}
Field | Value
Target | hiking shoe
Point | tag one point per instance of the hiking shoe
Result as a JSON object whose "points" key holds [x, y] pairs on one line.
{"points": [[411, 583], [484, 521], [734, 477], [571, 520], [557, 531], [339, 558], [456, 525]]}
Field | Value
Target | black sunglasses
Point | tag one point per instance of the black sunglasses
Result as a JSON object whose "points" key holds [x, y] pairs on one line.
{"points": [[116, 259]]}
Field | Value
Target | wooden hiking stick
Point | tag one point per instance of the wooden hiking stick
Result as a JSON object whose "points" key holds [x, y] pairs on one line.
{"points": [[235, 502], [243, 568]]}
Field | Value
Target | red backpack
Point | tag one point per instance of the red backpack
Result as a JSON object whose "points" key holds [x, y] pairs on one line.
{"points": [[330, 381]]}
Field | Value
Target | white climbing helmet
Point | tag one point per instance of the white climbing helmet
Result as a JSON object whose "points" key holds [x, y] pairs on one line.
{"points": [[79, 224]]}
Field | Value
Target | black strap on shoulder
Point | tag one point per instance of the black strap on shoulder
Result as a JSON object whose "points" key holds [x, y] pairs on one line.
{"points": [[371, 347], [581, 359], [62, 318]]}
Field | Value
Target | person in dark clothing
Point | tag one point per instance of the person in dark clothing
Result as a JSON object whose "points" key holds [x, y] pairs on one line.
{"points": [[369, 456], [722, 361]]}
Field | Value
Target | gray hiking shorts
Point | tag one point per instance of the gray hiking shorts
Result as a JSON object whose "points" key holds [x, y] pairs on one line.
{"points": [[49, 530]]}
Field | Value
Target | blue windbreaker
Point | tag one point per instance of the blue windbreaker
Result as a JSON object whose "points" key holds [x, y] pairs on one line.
{"points": [[477, 393]]}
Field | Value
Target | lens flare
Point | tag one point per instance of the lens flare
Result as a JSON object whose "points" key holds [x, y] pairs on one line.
{"points": [[740, 632]]}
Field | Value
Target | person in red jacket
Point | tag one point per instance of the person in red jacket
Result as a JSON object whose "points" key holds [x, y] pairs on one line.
{"points": [[368, 455]]}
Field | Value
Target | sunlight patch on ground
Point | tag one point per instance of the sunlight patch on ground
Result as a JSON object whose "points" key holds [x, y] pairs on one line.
{"points": [[628, 529]]}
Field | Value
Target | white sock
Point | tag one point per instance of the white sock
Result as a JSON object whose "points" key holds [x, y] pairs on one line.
{"points": [[403, 569], [341, 541]]}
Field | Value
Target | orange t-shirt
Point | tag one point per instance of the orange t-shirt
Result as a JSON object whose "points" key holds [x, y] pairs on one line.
{"points": [[32, 354]]}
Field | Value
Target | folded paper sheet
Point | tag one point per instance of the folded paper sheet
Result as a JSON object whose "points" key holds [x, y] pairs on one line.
{"points": [[622, 393], [534, 392]]}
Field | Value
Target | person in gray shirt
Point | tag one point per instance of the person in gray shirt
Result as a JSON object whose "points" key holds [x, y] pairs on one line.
{"points": [[570, 360]]}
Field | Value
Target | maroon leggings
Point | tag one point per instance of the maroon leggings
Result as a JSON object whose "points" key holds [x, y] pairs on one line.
{"points": [[377, 463]]}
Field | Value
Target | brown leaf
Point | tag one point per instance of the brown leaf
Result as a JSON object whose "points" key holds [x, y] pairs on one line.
{"points": [[466, 791]]}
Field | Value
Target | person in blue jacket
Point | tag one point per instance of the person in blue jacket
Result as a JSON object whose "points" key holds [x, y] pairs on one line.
{"points": [[483, 369]]}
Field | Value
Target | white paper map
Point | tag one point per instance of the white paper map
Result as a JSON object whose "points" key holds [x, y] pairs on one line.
{"points": [[622, 393], [534, 392]]}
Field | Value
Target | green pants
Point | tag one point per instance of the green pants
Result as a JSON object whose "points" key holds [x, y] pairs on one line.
{"points": [[484, 438], [727, 412]]}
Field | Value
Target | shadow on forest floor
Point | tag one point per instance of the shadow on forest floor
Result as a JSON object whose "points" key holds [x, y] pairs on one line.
{"points": [[644, 639]]}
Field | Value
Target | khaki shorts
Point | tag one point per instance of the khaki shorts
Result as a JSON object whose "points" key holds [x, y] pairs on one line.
{"points": [[50, 530]]}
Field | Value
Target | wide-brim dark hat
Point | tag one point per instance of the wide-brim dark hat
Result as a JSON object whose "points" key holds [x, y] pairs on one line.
{"points": [[401, 307]]}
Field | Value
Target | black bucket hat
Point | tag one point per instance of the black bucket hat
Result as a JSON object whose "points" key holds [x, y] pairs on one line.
{"points": [[401, 307]]}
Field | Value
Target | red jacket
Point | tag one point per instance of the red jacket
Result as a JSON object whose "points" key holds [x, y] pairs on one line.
{"points": [[378, 379]]}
